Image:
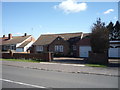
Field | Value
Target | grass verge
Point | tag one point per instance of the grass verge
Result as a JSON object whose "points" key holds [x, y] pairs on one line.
{"points": [[21, 60], [95, 65]]}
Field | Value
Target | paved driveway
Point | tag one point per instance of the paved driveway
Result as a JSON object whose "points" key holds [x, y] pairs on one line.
{"points": [[69, 60], [112, 62]]}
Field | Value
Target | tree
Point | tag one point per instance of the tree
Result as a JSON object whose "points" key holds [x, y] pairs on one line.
{"points": [[114, 31], [117, 30], [110, 28], [99, 37]]}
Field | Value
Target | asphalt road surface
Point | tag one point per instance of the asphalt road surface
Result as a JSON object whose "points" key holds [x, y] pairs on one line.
{"points": [[16, 77]]}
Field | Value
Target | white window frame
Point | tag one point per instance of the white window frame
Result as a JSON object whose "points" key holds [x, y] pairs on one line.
{"points": [[39, 48], [59, 48]]}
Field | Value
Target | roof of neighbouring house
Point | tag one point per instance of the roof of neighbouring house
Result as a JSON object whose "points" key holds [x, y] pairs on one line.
{"points": [[24, 44], [2, 39], [49, 38], [14, 40]]}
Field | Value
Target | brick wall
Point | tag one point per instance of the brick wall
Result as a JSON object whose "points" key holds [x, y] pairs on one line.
{"points": [[42, 56], [60, 42]]}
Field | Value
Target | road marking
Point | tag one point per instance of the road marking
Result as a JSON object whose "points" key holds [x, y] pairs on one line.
{"points": [[22, 83]]}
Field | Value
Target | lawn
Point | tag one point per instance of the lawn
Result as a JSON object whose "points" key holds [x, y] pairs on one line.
{"points": [[21, 60], [95, 65]]}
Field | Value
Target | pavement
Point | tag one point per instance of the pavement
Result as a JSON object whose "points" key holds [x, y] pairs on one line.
{"points": [[65, 67]]}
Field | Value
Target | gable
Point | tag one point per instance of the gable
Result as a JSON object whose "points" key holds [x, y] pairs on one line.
{"points": [[58, 40]]}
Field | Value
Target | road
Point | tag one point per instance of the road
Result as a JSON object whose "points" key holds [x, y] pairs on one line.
{"points": [[16, 77]]}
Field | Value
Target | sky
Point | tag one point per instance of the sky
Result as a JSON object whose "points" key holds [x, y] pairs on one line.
{"points": [[69, 16]]}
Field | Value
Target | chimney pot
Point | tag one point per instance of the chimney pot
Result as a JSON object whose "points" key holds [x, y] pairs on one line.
{"points": [[3, 36], [25, 34], [10, 36]]}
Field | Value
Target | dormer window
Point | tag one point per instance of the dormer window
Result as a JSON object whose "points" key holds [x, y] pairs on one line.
{"points": [[58, 38]]}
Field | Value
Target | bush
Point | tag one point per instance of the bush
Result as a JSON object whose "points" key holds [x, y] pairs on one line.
{"points": [[58, 55], [99, 37]]}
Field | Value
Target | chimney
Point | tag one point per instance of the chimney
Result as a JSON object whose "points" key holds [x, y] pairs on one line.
{"points": [[81, 35], [25, 34], [10, 36], [3, 36]]}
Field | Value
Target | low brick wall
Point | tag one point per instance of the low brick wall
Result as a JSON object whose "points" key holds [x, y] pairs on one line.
{"points": [[40, 56], [6, 55]]}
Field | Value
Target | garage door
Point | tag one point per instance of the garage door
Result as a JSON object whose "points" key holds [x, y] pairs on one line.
{"points": [[83, 51], [114, 52]]}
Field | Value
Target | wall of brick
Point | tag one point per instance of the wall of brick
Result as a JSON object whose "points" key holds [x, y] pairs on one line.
{"points": [[60, 42], [47, 57], [6, 55]]}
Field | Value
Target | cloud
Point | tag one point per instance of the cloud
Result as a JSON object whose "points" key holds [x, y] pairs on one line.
{"points": [[108, 11], [71, 6]]}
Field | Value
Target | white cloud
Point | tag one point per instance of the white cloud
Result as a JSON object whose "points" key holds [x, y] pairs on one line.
{"points": [[108, 11], [71, 6]]}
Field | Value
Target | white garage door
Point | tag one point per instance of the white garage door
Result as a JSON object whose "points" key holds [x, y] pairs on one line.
{"points": [[114, 52], [83, 51]]}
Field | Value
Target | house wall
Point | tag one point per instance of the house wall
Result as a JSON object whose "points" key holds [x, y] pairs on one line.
{"points": [[34, 49], [83, 42], [51, 47], [60, 42], [9, 47]]}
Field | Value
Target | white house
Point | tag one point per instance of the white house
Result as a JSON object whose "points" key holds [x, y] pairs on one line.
{"points": [[17, 43]]}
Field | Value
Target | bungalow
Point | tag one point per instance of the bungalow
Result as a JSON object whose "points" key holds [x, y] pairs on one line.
{"points": [[70, 44], [16, 43], [66, 44]]}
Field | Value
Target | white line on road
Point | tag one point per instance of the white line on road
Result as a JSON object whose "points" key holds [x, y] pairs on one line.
{"points": [[22, 83]]}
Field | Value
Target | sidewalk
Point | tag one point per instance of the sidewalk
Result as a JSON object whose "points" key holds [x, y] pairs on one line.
{"points": [[60, 67]]}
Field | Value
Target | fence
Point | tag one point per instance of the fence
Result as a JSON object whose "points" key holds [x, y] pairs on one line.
{"points": [[40, 56]]}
